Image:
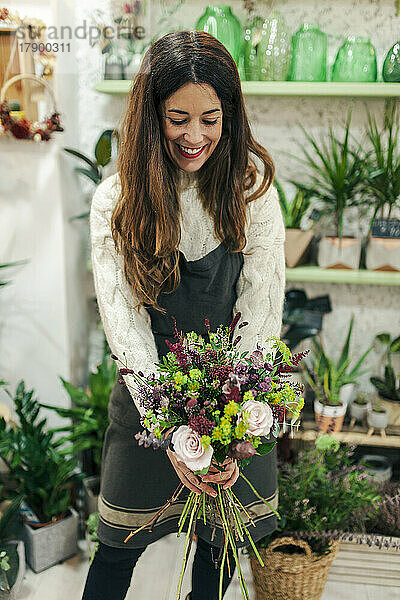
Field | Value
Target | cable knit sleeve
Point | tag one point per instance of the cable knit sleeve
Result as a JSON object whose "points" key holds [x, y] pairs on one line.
{"points": [[126, 329], [261, 284]]}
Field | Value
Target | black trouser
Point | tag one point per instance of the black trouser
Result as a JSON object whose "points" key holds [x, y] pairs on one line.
{"points": [[110, 573]]}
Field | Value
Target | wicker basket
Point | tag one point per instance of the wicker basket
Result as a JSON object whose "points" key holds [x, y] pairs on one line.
{"points": [[291, 576], [41, 81]]}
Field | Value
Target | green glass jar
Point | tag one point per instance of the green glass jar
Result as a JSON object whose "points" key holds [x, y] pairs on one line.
{"points": [[275, 49], [355, 61], [391, 65], [220, 22], [309, 51], [250, 48]]}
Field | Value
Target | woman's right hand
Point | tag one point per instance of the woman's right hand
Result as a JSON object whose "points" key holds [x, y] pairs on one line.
{"points": [[188, 478]]}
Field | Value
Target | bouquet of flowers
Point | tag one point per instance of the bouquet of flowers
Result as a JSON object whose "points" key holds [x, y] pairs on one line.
{"points": [[209, 403]]}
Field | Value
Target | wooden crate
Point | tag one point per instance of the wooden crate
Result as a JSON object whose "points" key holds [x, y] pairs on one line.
{"points": [[359, 563]]}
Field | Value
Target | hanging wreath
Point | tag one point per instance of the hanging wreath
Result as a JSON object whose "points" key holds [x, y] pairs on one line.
{"points": [[22, 128]]}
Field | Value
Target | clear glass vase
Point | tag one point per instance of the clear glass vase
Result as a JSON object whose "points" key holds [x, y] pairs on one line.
{"points": [[275, 49], [309, 51]]}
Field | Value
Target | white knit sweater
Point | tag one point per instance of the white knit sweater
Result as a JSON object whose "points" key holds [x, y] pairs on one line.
{"points": [[260, 287]]}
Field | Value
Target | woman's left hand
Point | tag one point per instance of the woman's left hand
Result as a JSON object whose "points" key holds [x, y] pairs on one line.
{"points": [[227, 477]]}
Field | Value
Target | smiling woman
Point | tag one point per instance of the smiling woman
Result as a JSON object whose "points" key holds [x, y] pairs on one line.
{"points": [[192, 138], [187, 229]]}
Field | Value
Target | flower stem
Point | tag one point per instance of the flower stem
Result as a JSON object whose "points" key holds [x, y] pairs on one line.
{"points": [[187, 538], [260, 497]]}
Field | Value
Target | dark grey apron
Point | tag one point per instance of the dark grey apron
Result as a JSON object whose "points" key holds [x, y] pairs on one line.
{"points": [[136, 481]]}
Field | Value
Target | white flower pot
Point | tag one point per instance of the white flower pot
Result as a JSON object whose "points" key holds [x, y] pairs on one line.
{"points": [[336, 253], [377, 420], [296, 243], [346, 393], [379, 468], [393, 409], [358, 411], [383, 254], [329, 418], [51, 544]]}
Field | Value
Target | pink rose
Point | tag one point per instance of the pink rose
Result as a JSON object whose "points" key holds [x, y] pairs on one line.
{"points": [[260, 417], [189, 449]]}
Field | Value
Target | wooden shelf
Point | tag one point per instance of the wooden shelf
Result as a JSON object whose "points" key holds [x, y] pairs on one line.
{"points": [[285, 88], [357, 435], [358, 277]]}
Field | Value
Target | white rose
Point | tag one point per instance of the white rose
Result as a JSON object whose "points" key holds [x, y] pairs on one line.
{"points": [[260, 419], [189, 449]]}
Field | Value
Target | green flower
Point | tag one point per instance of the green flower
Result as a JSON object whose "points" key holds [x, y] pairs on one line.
{"points": [[205, 441], [326, 442], [195, 373], [231, 409], [248, 396]]}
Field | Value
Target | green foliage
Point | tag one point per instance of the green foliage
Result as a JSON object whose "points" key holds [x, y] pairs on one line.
{"points": [[382, 185], [336, 173], [39, 472], [321, 492], [325, 376], [92, 524], [88, 415], [389, 386], [102, 152], [293, 211], [8, 519]]}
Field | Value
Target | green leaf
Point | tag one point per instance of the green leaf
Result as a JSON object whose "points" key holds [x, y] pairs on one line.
{"points": [[93, 175], [83, 157], [103, 149], [384, 338], [395, 346], [265, 448]]}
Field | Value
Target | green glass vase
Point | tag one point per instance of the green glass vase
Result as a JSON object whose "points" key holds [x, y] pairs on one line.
{"points": [[391, 65], [275, 49], [220, 22], [355, 61], [309, 51], [250, 47]]}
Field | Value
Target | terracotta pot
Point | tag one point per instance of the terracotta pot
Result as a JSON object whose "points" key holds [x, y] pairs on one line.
{"points": [[336, 253], [329, 418], [383, 254], [296, 244]]}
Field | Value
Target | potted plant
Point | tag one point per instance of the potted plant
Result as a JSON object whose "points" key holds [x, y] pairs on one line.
{"points": [[44, 477], [318, 496], [383, 192], [87, 423], [327, 378], [377, 417], [12, 551], [388, 387], [337, 175], [358, 409], [297, 240]]}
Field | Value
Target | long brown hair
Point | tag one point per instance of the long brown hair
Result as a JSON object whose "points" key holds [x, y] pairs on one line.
{"points": [[146, 218]]}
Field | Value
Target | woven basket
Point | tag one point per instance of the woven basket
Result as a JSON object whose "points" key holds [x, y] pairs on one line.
{"points": [[291, 576], [19, 77]]}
